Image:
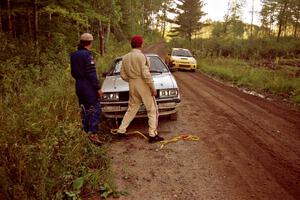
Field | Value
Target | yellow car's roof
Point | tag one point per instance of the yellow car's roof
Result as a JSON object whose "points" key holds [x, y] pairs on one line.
{"points": [[179, 48]]}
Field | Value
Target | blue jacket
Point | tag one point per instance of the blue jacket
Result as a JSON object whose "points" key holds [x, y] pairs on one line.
{"points": [[84, 72]]}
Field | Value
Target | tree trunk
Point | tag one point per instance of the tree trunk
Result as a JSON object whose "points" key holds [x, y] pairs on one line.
{"points": [[14, 26], [163, 21], [101, 39], [279, 30], [143, 18], [9, 17], [35, 12], [281, 15], [271, 26], [107, 35], [163, 28], [252, 12], [285, 25], [36, 22], [226, 18], [49, 32], [296, 22], [29, 22], [1, 29], [295, 30]]}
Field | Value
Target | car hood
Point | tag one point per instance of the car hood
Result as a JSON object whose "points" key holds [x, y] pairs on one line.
{"points": [[116, 83], [190, 59]]}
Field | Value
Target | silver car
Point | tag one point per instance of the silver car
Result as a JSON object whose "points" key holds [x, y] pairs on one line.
{"points": [[114, 102]]}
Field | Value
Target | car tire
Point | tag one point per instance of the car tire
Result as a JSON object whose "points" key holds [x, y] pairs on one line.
{"points": [[193, 70], [173, 70], [173, 116]]}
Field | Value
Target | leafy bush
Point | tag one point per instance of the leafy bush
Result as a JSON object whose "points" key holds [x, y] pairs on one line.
{"points": [[42, 148]]}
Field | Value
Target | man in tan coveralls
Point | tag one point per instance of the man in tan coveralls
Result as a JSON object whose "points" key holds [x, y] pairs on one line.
{"points": [[135, 71]]}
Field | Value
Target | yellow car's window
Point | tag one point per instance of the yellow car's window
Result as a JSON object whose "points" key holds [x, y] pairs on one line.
{"points": [[182, 53]]}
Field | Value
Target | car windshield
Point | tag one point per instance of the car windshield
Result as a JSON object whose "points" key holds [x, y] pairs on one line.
{"points": [[156, 66], [182, 53]]}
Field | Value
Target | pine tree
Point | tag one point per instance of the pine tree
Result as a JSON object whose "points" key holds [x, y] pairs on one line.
{"points": [[189, 13]]}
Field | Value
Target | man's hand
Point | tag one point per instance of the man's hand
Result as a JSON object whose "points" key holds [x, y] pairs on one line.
{"points": [[153, 92], [100, 93]]}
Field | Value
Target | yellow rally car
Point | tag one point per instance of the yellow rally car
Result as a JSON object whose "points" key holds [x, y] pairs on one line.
{"points": [[181, 59]]}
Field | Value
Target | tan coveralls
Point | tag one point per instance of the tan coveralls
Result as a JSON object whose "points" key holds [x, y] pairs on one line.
{"points": [[135, 71]]}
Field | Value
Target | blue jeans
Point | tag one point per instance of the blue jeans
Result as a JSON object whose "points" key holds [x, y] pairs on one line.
{"points": [[90, 117]]}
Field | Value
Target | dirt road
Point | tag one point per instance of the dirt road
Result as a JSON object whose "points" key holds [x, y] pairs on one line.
{"points": [[249, 148]]}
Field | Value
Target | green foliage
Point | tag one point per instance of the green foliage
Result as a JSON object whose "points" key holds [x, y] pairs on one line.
{"points": [[42, 148], [254, 49], [281, 82], [189, 13], [107, 191], [282, 14], [44, 153]]}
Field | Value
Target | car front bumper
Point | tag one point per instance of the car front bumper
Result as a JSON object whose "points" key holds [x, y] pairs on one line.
{"points": [[118, 109], [187, 66]]}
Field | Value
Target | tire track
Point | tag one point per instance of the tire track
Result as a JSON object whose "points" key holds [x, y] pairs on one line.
{"points": [[286, 174]]}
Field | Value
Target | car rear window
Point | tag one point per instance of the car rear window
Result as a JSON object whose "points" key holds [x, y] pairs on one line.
{"points": [[156, 64]]}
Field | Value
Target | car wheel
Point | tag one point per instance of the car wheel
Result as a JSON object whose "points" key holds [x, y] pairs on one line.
{"points": [[173, 70], [193, 70], [173, 116]]}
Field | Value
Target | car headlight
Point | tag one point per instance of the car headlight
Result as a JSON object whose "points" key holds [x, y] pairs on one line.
{"points": [[110, 96], [194, 62], [166, 93]]}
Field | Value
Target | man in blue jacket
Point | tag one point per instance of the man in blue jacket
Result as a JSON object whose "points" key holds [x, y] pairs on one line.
{"points": [[87, 86]]}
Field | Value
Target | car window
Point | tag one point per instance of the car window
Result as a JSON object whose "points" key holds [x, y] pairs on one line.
{"points": [[156, 65], [182, 53]]}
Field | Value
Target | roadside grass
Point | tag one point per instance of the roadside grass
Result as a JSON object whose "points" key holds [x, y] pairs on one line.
{"points": [[43, 150], [281, 81], [44, 153]]}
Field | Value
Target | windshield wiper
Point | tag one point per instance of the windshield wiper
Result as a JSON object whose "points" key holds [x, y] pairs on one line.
{"points": [[156, 71]]}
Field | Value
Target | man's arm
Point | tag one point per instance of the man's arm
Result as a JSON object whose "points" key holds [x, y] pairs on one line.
{"points": [[123, 74], [90, 71], [147, 75]]}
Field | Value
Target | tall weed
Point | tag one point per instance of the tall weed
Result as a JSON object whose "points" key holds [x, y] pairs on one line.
{"points": [[42, 148]]}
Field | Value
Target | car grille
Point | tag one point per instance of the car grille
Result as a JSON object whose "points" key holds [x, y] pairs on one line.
{"points": [[184, 65], [124, 96]]}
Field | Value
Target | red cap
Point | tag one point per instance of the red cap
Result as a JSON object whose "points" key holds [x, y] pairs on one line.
{"points": [[136, 41]]}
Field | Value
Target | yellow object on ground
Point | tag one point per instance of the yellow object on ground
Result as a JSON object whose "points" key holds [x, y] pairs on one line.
{"points": [[164, 142], [177, 138]]}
